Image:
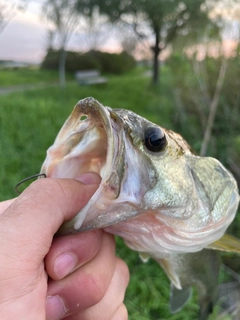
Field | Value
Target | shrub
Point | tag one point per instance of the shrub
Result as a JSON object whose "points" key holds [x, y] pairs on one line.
{"points": [[74, 61], [106, 62], [116, 63]]}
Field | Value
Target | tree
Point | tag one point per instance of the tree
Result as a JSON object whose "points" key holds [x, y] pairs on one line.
{"points": [[8, 11], [166, 18], [95, 30], [65, 18]]}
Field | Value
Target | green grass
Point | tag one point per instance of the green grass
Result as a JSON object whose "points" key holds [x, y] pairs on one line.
{"points": [[29, 122], [25, 76]]}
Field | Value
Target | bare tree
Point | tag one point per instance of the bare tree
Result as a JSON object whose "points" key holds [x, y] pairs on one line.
{"points": [[62, 14], [50, 39], [129, 43], [8, 10], [213, 108], [96, 30]]}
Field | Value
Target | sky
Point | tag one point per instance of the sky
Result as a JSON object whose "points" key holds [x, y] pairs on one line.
{"points": [[25, 36], [24, 39]]}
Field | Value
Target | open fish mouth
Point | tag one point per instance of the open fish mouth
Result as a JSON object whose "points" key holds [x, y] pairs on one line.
{"points": [[82, 144], [154, 192], [92, 140]]}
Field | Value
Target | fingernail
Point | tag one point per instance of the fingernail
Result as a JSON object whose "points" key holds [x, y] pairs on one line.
{"points": [[89, 178], [55, 308], [64, 264]]}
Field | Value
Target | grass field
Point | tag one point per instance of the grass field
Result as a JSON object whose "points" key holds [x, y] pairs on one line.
{"points": [[14, 77], [29, 122]]}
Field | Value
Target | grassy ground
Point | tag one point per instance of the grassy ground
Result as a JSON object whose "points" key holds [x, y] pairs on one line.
{"points": [[29, 122], [14, 77]]}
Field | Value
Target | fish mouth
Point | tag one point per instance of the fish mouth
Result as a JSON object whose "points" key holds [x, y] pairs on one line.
{"points": [[85, 143], [91, 140]]}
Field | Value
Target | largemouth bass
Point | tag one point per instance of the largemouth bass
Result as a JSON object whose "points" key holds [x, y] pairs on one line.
{"points": [[163, 200]]}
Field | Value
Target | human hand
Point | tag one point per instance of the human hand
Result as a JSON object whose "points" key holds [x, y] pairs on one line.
{"points": [[87, 280]]}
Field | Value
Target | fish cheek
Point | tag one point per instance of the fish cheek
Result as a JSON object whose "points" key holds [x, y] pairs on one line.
{"points": [[215, 185]]}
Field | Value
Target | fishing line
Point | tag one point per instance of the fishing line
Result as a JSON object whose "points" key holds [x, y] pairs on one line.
{"points": [[43, 175]]}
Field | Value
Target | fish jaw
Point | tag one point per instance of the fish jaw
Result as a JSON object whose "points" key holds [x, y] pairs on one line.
{"points": [[93, 140]]}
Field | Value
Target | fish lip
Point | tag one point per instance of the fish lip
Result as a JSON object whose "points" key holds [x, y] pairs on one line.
{"points": [[111, 176], [93, 106], [113, 127]]}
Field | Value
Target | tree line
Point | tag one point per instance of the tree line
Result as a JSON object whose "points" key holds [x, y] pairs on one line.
{"points": [[160, 23]]}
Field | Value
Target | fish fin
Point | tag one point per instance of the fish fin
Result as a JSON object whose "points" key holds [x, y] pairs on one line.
{"points": [[168, 267], [144, 256], [178, 298], [229, 297], [226, 243]]}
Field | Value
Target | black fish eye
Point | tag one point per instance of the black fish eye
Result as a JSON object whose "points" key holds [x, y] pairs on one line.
{"points": [[155, 139]]}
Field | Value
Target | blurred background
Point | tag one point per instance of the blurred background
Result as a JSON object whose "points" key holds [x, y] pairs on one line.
{"points": [[174, 62]]}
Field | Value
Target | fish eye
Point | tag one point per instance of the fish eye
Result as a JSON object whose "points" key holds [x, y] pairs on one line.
{"points": [[155, 139]]}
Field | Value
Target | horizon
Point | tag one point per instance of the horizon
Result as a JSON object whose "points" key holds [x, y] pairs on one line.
{"points": [[24, 39]]}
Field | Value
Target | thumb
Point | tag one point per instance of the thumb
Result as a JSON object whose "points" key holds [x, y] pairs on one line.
{"points": [[34, 217]]}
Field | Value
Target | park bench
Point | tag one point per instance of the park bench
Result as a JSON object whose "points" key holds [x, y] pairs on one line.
{"points": [[89, 77]]}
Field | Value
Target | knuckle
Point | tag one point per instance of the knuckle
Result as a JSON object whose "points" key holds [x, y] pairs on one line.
{"points": [[42, 187], [50, 189], [42, 183]]}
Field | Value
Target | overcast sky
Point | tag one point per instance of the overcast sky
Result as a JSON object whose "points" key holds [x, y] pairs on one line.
{"points": [[25, 37]]}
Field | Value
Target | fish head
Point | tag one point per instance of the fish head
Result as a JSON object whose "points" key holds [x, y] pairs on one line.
{"points": [[152, 186]]}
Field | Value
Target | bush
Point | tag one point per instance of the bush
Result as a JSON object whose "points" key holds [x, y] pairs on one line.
{"points": [[74, 61], [116, 63], [106, 62]]}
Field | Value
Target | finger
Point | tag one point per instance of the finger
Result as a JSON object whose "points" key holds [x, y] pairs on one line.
{"points": [[86, 286], [40, 210], [111, 307], [121, 313], [5, 204], [68, 253]]}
